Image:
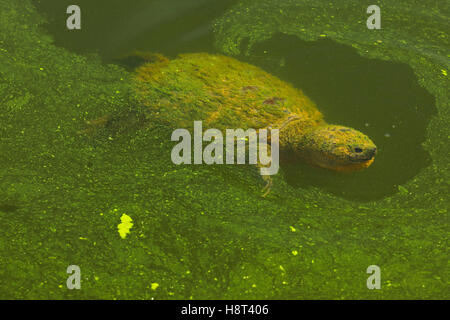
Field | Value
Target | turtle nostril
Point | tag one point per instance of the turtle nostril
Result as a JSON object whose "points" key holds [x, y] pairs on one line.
{"points": [[372, 151], [358, 150]]}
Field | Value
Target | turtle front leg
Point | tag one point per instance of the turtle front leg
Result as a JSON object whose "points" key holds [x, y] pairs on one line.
{"points": [[265, 167], [266, 190]]}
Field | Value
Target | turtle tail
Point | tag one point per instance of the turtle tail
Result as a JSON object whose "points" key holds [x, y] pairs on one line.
{"points": [[138, 58]]}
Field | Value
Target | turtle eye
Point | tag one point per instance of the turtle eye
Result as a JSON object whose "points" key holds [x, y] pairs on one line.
{"points": [[358, 150]]}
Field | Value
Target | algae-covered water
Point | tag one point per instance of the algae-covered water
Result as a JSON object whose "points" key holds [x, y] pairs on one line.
{"points": [[205, 232]]}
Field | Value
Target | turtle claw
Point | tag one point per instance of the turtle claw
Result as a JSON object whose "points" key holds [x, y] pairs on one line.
{"points": [[268, 186]]}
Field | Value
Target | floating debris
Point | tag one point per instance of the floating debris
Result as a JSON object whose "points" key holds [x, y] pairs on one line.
{"points": [[125, 225]]}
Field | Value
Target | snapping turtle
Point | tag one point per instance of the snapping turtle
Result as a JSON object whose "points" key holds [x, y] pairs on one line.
{"points": [[226, 93]]}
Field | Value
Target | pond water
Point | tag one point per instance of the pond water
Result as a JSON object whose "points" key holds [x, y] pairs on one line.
{"points": [[116, 28], [205, 232], [382, 99]]}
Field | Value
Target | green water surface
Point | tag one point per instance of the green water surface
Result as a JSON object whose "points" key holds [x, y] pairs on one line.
{"points": [[204, 232]]}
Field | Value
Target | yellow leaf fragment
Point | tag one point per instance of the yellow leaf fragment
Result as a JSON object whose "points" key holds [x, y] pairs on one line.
{"points": [[125, 225], [154, 286]]}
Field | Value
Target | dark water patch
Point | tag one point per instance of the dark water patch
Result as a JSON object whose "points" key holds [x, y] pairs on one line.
{"points": [[382, 99], [115, 28]]}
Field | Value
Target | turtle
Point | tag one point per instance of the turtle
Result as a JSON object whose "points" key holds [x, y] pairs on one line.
{"points": [[224, 92]]}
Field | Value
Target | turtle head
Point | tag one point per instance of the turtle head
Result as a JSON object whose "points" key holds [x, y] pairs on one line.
{"points": [[337, 148]]}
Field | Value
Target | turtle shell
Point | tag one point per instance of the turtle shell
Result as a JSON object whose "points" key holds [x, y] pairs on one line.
{"points": [[220, 91]]}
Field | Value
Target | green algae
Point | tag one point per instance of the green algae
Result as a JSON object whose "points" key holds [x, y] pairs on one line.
{"points": [[199, 231]]}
